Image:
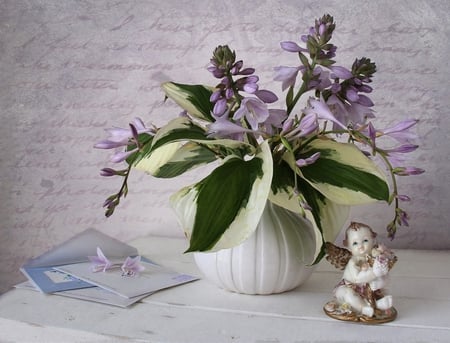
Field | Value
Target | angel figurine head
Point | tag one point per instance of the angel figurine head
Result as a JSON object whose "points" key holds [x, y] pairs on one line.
{"points": [[361, 294], [359, 239]]}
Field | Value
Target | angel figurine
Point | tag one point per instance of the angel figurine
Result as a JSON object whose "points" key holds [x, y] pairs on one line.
{"points": [[361, 295]]}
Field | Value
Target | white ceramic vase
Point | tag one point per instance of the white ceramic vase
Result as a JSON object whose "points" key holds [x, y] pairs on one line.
{"points": [[275, 259]]}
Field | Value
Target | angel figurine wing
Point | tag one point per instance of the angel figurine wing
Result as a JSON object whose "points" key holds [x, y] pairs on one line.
{"points": [[337, 256]]}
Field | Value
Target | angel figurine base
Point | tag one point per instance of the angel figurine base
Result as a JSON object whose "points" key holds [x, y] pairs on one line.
{"points": [[361, 295], [343, 312]]}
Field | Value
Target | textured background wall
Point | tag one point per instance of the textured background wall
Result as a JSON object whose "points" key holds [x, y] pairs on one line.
{"points": [[69, 69]]}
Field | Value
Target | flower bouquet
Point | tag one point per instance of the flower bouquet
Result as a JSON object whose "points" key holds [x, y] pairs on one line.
{"points": [[317, 160]]}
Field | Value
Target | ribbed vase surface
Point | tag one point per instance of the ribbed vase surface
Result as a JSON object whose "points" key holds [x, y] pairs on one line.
{"points": [[274, 259]]}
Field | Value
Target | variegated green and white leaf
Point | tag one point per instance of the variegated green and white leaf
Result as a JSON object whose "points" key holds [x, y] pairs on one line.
{"points": [[182, 129], [176, 130], [182, 145], [223, 209], [327, 220], [192, 98], [174, 159], [343, 173]]}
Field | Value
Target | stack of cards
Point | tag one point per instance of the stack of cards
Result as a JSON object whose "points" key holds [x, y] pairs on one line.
{"points": [[67, 271]]}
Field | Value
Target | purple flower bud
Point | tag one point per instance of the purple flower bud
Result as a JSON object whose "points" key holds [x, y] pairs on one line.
{"points": [[403, 197], [220, 107], [292, 47], [287, 125], [407, 171], [247, 71], [251, 79], [266, 96], [364, 100], [215, 96], [225, 81], [402, 217], [134, 132], [236, 67], [357, 81], [110, 201], [335, 88], [322, 29], [108, 172], [250, 87], [351, 94], [365, 89], [217, 73], [229, 93], [307, 161], [372, 133]]}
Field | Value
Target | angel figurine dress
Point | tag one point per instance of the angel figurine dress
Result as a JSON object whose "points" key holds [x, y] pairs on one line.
{"points": [[361, 295]]}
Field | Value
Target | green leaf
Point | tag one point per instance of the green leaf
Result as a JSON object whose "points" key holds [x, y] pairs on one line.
{"points": [[174, 159], [178, 129], [192, 98], [344, 174], [223, 209], [182, 145], [326, 216]]}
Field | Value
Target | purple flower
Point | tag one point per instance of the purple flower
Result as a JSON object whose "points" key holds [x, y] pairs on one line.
{"points": [[223, 127], [109, 144], [402, 149], [119, 137], [100, 263], [274, 121], [132, 266], [307, 125], [400, 131], [254, 110], [322, 110], [287, 76], [322, 79], [121, 156], [340, 72], [349, 112]]}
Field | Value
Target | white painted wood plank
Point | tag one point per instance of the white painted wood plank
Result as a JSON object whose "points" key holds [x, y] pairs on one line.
{"points": [[180, 323], [14, 331], [200, 312]]}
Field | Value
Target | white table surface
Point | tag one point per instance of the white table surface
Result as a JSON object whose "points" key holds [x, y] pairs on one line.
{"points": [[201, 312]]}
